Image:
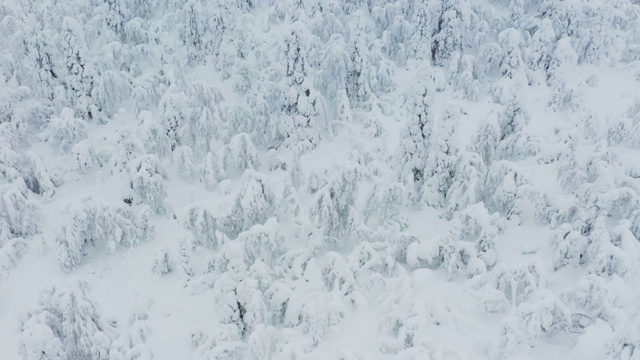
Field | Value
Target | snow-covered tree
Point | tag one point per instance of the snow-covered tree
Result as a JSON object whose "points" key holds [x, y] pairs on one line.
{"points": [[114, 15], [10, 254], [467, 183], [255, 202], [485, 142], [569, 247], [202, 225], [183, 156], [147, 177], [539, 50], [462, 76], [20, 216], [489, 59], [385, 203], [80, 79], [263, 243], [332, 209], [415, 144], [395, 29], [564, 16], [299, 124], [174, 112], [163, 262], [184, 257], [66, 130], [564, 57], [544, 316], [358, 89], [450, 32], [66, 324], [194, 31], [209, 171], [420, 41], [237, 156], [300, 52], [88, 226], [41, 56], [204, 122], [511, 42], [440, 168], [434, 252]]}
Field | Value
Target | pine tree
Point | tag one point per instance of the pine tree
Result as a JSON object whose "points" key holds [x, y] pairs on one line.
{"points": [[450, 33], [416, 143], [20, 215], [163, 262], [147, 181], [184, 254], [440, 169], [193, 34], [175, 111], [66, 130], [115, 17], [539, 51], [80, 75], [358, 89], [420, 41], [203, 226], [66, 324], [332, 209], [463, 78], [511, 43]]}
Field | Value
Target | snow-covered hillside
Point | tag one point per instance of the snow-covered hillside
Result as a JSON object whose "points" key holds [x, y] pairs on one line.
{"points": [[319, 179]]}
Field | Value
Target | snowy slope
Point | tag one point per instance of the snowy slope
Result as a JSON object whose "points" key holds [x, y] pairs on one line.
{"points": [[357, 179]]}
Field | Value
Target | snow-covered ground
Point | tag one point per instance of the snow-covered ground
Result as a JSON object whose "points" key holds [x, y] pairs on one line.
{"points": [[357, 179]]}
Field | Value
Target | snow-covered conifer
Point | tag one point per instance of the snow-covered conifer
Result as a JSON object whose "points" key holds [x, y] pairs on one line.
{"points": [[564, 16], [184, 257], [66, 324], [147, 177], [203, 226], [300, 52], [416, 143], [66, 130], [174, 113], [420, 41], [263, 243], [564, 57], [237, 156], [80, 79], [489, 59], [511, 43], [332, 209], [450, 32], [467, 182], [183, 156], [357, 71], [88, 226], [539, 50], [19, 213], [194, 31], [163, 262], [256, 200], [462, 68], [440, 168], [385, 203], [209, 171]]}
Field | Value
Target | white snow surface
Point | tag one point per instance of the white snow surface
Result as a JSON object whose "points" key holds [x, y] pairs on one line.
{"points": [[357, 179]]}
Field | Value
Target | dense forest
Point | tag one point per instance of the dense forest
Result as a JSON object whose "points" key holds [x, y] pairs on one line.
{"points": [[319, 179]]}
